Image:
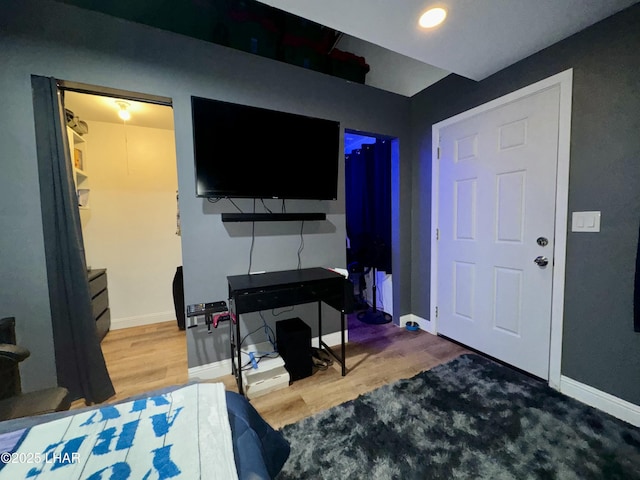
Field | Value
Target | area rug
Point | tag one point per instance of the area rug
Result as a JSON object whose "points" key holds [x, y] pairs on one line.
{"points": [[470, 418]]}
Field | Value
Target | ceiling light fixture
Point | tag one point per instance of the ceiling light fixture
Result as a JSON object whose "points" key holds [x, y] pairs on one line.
{"points": [[123, 113], [432, 17]]}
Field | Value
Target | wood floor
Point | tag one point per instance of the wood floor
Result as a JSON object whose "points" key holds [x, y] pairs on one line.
{"points": [[140, 359], [144, 358]]}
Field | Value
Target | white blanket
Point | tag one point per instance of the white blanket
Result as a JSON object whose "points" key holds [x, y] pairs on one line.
{"points": [[184, 434]]}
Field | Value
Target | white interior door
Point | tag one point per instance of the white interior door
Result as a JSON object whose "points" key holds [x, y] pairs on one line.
{"points": [[496, 216]]}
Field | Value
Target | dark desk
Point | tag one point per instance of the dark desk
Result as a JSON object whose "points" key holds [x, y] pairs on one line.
{"points": [[265, 291]]}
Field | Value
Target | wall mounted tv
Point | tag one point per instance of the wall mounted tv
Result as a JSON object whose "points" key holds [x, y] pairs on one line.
{"points": [[249, 152]]}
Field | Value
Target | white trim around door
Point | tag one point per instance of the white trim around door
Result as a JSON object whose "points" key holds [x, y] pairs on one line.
{"points": [[564, 80]]}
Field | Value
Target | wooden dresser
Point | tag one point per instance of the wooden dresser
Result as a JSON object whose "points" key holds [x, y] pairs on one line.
{"points": [[100, 300]]}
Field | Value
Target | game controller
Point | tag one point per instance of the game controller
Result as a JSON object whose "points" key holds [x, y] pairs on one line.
{"points": [[220, 317], [213, 312]]}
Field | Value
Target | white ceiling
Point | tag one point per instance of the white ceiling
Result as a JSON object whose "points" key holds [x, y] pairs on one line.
{"points": [[96, 108], [478, 38]]}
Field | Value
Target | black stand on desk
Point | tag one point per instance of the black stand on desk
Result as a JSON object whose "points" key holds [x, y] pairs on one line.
{"points": [[265, 291]]}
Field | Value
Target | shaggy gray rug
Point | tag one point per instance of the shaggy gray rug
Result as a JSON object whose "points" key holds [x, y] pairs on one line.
{"points": [[468, 419]]}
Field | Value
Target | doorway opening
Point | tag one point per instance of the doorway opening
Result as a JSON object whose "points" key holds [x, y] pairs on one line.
{"points": [[126, 178], [368, 172]]}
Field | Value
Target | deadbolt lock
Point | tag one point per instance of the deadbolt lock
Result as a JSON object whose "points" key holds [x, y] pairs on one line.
{"points": [[542, 241]]}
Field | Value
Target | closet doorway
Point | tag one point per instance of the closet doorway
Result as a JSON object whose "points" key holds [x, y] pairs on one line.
{"points": [[368, 173], [126, 175]]}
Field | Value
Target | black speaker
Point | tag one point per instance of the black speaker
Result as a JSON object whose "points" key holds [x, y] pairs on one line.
{"points": [[178, 297], [293, 337]]}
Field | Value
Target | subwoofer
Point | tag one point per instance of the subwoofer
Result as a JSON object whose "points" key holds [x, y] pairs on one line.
{"points": [[293, 338]]}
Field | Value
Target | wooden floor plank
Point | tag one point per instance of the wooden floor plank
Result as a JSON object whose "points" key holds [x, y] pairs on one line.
{"points": [[149, 357]]}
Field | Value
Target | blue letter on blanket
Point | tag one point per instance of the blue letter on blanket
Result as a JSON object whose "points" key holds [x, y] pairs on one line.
{"points": [[162, 424], [69, 450], [141, 404], [119, 471], [125, 439], [108, 413], [163, 464]]}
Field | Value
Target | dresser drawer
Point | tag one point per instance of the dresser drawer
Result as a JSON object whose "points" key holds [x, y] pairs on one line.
{"points": [[103, 323], [100, 303], [99, 300], [97, 284]]}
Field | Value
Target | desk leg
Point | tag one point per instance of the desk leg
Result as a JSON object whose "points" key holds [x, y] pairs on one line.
{"points": [[344, 358], [234, 339], [239, 352], [232, 344], [320, 324]]}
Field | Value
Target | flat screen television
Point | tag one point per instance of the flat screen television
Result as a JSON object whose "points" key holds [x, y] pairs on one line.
{"points": [[249, 152]]}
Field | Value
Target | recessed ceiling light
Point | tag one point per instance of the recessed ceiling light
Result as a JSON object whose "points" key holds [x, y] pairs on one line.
{"points": [[432, 17]]}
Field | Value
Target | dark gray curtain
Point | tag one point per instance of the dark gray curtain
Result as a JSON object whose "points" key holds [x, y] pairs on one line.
{"points": [[368, 205], [636, 292], [80, 364]]}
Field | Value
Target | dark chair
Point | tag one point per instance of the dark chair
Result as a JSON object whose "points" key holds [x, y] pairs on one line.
{"points": [[14, 403]]}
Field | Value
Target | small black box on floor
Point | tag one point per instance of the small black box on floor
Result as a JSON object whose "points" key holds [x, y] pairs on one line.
{"points": [[293, 337]]}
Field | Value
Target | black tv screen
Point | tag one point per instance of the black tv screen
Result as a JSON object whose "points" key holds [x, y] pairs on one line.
{"points": [[250, 152]]}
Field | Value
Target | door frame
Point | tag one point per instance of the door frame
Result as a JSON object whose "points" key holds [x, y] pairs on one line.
{"points": [[565, 81]]}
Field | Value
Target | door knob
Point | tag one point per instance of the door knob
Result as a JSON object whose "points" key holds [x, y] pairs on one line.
{"points": [[541, 261]]}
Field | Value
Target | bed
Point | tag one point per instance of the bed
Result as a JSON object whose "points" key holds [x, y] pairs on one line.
{"points": [[195, 431]]}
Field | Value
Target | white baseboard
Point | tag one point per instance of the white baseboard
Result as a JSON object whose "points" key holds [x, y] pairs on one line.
{"points": [[139, 320], [210, 371], [606, 402], [424, 324], [331, 339], [214, 370]]}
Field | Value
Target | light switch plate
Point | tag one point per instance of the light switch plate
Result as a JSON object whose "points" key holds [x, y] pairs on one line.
{"points": [[585, 222]]}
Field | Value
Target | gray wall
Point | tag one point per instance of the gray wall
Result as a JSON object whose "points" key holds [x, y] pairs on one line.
{"points": [[599, 347], [46, 38], [57, 40]]}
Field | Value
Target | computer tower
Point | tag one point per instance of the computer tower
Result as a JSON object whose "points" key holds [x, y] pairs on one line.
{"points": [[293, 338]]}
